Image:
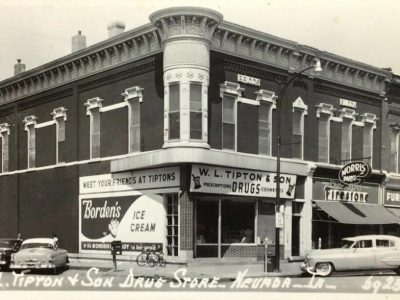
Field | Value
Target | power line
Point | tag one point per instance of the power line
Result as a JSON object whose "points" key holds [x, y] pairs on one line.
{"points": [[34, 33]]}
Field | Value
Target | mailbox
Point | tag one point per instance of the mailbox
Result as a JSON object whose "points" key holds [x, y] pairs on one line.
{"points": [[116, 247]]}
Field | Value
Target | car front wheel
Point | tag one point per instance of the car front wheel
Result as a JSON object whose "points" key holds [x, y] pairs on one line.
{"points": [[324, 269], [397, 271]]}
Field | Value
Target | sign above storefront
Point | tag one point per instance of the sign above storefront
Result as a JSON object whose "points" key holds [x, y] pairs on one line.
{"points": [[348, 103], [228, 181], [248, 80], [129, 181], [333, 190], [392, 198], [354, 172]]}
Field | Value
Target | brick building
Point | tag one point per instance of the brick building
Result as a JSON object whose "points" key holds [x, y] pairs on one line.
{"points": [[165, 135]]}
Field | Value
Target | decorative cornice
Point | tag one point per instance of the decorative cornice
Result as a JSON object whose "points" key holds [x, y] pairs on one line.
{"points": [[300, 105], [29, 121], [178, 22], [324, 108], [290, 56], [394, 109], [253, 71], [122, 49], [92, 103], [343, 93], [137, 70]]}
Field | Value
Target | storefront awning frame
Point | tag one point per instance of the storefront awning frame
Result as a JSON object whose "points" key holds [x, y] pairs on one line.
{"points": [[357, 213]]}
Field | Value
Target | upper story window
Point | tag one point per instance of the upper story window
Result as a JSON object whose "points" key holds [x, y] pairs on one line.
{"points": [[174, 111], [299, 111], [369, 121], [132, 98], [267, 104], [394, 148], [324, 115], [228, 123], [186, 108], [230, 93], [4, 159], [348, 116], [196, 114]]}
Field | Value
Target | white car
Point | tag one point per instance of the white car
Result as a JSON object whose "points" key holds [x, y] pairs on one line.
{"points": [[367, 252], [39, 253]]}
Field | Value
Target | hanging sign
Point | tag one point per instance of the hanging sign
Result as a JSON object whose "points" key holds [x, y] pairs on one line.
{"points": [[229, 181], [279, 220], [354, 172]]}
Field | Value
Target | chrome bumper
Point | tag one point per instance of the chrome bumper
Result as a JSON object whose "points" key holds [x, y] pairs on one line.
{"points": [[33, 266]]}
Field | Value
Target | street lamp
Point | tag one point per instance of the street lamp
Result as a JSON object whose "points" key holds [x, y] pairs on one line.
{"points": [[317, 68]]}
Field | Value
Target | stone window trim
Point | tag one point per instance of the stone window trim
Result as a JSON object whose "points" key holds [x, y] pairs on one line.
{"points": [[234, 90], [30, 124], [4, 133], [329, 111], [269, 98], [93, 108], [131, 95], [395, 129], [299, 106]]}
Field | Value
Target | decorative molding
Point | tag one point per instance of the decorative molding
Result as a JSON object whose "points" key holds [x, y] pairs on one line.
{"points": [[29, 121], [135, 92], [93, 103], [5, 129], [369, 118], [394, 110], [122, 49], [135, 71], [395, 126], [185, 21], [291, 56], [266, 96], [348, 113], [253, 71], [324, 108], [343, 93], [59, 112], [300, 105], [42, 99], [230, 88]]}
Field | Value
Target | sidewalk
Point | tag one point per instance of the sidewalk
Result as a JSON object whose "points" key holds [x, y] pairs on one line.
{"points": [[225, 270]]}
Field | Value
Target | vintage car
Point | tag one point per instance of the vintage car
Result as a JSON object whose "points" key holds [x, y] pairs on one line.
{"points": [[7, 247], [40, 253], [367, 252]]}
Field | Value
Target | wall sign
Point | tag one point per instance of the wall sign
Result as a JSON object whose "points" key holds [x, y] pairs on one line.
{"points": [[354, 172], [333, 190], [279, 220], [228, 181], [392, 198], [348, 103], [248, 80], [138, 221], [129, 181]]}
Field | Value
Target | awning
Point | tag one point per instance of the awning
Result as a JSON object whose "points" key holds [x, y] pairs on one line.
{"points": [[395, 211], [357, 213]]}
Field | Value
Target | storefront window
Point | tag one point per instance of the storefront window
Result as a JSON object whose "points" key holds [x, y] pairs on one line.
{"points": [[173, 224], [207, 222], [237, 223]]}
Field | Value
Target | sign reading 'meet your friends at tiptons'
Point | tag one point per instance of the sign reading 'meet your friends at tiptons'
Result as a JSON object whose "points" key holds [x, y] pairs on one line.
{"points": [[128, 181], [229, 181]]}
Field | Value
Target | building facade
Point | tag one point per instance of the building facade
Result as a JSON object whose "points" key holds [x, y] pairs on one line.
{"points": [[164, 136]]}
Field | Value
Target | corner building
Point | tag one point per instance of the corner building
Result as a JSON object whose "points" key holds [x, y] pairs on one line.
{"points": [[164, 137]]}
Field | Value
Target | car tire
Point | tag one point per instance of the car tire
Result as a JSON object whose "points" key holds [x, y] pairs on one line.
{"points": [[397, 271], [324, 269]]}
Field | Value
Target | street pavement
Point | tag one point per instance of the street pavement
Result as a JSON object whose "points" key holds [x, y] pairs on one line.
{"points": [[222, 270]]}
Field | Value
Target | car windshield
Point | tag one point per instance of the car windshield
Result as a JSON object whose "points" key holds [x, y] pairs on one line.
{"points": [[5, 244], [37, 245], [347, 243]]}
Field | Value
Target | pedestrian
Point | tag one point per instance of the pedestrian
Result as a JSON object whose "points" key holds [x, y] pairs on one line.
{"points": [[55, 239]]}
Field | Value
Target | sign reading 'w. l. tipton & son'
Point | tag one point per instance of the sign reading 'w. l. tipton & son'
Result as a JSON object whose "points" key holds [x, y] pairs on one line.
{"points": [[229, 181]]}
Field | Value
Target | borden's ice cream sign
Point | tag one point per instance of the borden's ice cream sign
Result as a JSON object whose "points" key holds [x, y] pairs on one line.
{"points": [[138, 221], [121, 207]]}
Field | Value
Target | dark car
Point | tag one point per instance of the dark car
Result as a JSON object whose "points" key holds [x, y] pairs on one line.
{"points": [[7, 247]]}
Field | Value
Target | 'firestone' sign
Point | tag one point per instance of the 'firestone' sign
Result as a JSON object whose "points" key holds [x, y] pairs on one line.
{"points": [[217, 180], [354, 172]]}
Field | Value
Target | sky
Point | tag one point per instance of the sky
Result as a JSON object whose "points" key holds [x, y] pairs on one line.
{"points": [[39, 31]]}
